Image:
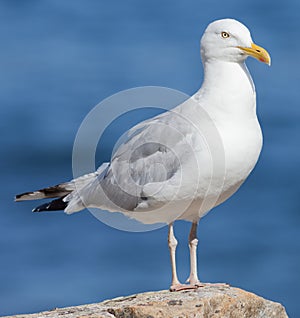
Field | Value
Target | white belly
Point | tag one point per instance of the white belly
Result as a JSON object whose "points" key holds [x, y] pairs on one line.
{"points": [[241, 149], [242, 146]]}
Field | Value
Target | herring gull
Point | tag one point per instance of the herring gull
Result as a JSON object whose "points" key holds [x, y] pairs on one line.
{"points": [[182, 163]]}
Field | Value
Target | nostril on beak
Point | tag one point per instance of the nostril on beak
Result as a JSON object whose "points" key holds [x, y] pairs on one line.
{"points": [[258, 51]]}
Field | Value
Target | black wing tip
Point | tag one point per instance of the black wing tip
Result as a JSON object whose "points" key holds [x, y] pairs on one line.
{"points": [[43, 207], [37, 209], [51, 192], [55, 205], [19, 197]]}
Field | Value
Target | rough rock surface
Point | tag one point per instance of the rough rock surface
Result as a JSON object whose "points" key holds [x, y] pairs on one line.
{"points": [[211, 301]]}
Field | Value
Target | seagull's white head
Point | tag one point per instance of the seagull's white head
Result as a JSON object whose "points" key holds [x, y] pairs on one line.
{"points": [[229, 40]]}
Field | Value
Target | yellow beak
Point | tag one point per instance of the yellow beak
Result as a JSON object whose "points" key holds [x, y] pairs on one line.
{"points": [[257, 52]]}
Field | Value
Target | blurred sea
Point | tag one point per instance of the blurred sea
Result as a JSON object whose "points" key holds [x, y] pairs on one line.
{"points": [[58, 59]]}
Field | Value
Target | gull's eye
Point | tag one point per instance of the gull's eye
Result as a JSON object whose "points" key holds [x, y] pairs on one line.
{"points": [[225, 35]]}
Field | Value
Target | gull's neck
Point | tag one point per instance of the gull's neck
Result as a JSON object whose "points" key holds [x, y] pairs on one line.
{"points": [[227, 88]]}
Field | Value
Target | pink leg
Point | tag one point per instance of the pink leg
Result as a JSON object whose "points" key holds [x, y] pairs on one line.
{"points": [[172, 246], [193, 243], [176, 285], [193, 280]]}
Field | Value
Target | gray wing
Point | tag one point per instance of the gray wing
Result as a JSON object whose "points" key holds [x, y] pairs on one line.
{"points": [[151, 155]]}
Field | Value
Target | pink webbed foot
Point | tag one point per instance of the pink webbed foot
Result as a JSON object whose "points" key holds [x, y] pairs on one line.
{"points": [[220, 285], [196, 285], [179, 287]]}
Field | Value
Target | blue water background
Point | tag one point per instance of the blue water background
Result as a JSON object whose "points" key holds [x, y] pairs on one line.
{"points": [[58, 59]]}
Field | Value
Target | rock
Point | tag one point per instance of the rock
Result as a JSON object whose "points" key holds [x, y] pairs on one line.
{"points": [[211, 301]]}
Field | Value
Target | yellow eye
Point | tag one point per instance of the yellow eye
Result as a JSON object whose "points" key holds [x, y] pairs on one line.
{"points": [[225, 35]]}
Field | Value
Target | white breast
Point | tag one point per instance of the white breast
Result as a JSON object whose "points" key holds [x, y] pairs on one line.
{"points": [[231, 105]]}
